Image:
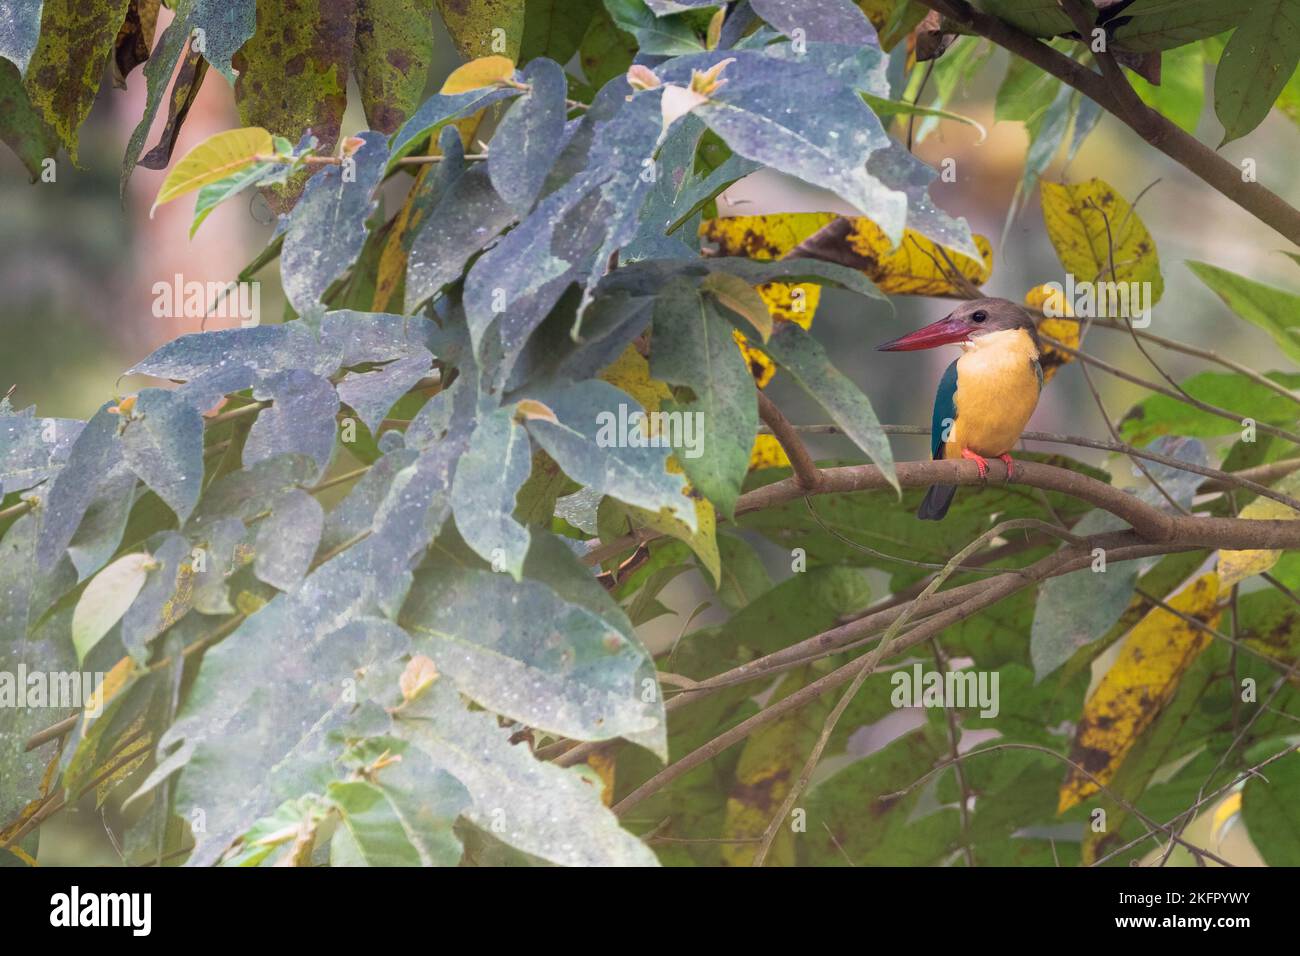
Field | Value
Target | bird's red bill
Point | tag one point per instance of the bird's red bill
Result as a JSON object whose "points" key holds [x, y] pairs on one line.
{"points": [[944, 332]]}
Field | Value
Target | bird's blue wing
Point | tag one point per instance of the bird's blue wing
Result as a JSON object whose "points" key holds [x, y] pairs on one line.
{"points": [[945, 409]]}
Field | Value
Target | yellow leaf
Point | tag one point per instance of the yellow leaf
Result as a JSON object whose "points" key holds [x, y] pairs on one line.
{"points": [[1156, 654], [768, 766], [476, 74], [630, 372], [915, 267], [740, 297], [1065, 331], [118, 676], [603, 766], [714, 33], [1085, 220], [217, 157], [767, 453], [1235, 566], [1224, 815]]}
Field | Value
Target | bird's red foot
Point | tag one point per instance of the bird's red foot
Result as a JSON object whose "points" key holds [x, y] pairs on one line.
{"points": [[1011, 466], [980, 462]]}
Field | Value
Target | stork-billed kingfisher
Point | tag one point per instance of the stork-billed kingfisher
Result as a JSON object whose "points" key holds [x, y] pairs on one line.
{"points": [[986, 395]]}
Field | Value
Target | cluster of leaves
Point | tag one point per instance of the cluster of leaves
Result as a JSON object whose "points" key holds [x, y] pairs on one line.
{"points": [[339, 574]]}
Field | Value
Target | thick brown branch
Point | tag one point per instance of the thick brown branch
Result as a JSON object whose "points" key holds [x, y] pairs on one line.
{"points": [[805, 471]]}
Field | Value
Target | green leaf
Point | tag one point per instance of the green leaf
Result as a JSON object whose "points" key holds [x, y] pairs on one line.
{"points": [[1274, 310], [1039, 18], [664, 36], [744, 577], [214, 194], [106, 598], [404, 819], [21, 128], [1256, 64], [1026, 92], [554, 28], [1181, 94], [605, 51], [694, 347], [485, 489], [1166, 24], [803, 357], [1075, 609], [216, 158], [1160, 415]]}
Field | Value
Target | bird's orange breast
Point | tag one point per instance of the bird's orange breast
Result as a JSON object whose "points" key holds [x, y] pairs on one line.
{"points": [[997, 391]]}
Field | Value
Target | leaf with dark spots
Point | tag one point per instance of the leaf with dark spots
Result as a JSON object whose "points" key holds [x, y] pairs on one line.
{"points": [[221, 556], [134, 38], [167, 595], [185, 90], [293, 71], [394, 46], [287, 538], [63, 74], [300, 418], [327, 227], [162, 441]]}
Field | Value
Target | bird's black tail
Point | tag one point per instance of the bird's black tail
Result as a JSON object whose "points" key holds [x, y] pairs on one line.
{"points": [[936, 501]]}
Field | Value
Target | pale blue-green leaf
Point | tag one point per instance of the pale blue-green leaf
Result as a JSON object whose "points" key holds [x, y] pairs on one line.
{"points": [[592, 442], [166, 597], [20, 27], [361, 337], [287, 538], [300, 418], [327, 227], [532, 805], [712, 435], [356, 513], [529, 137], [32, 449], [371, 394], [218, 560], [802, 356], [101, 528], [162, 441], [242, 494], [834, 21], [226, 24], [437, 111], [93, 455], [664, 35], [263, 348], [488, 477]]}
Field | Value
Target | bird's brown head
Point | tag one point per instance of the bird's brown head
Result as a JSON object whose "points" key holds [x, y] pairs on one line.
{"points": [[967, 322]]}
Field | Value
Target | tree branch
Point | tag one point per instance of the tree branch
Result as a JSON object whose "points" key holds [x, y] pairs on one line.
{"points": [[1189, 152]]}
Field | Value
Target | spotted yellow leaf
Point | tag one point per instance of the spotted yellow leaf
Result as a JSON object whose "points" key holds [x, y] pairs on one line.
{"points": [[916, 266], [1143, 679], [1235, 566], [1066, 331], [1087, 223]]}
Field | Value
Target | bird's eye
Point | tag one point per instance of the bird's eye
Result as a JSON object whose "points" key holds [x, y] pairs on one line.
{"points": [[979, 315]]}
